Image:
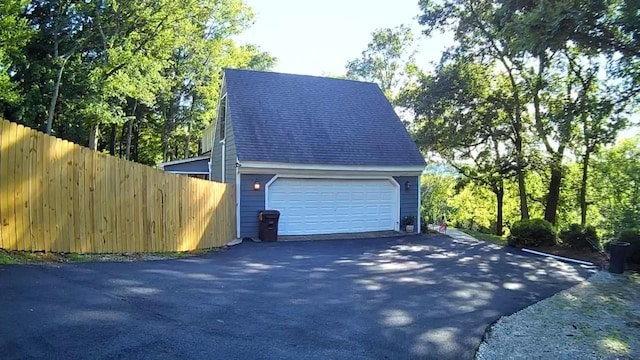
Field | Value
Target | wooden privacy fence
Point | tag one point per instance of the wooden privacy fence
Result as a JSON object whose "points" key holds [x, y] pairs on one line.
{"points": [[59, 196]]}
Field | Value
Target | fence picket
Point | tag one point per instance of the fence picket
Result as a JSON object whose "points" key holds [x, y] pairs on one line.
{"points": [[59, 196]]}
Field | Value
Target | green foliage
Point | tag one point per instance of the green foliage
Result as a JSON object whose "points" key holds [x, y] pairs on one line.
{"points": [[143, 75], [532, 233], [616, 186], [632, 236], [14, 34], [466, 210], [580, 237], [387, 59], [613, 195], [424, 225], [7, 258], [437, 190], [548, 58]]}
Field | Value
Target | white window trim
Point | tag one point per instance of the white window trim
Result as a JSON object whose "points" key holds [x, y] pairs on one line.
{"points": [[223, 102], [223, 153], [238, 180], [215, 132], [248, 166], [419, 217], [339, 177]]}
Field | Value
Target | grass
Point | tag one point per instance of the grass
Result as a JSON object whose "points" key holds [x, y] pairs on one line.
{"points": [[27, 257], [500, 240], [79, 258], [6, 258]]}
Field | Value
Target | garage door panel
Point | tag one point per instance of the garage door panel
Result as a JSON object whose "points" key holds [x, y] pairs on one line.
{"points": [[323, 206]]}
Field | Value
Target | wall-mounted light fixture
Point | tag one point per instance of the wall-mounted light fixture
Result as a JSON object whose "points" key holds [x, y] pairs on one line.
{"points": [[256, 185], [407, 185]]}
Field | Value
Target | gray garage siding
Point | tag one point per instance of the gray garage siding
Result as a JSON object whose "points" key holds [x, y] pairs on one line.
{"points": [[251, 202], [230, 156], [230, 151], [408, 198]]}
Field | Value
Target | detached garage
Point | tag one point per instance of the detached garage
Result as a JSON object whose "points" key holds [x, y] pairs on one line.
{"points": [[331, 155]]}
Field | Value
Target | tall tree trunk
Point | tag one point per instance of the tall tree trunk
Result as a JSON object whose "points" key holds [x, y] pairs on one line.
{"points": [[165, 152], [517, 129], [130, 123], [553, 195], [136, 137], [54, 98], [522, 191], [112, 139], [522, 185], [127, 151], [93, 136], [583, 188], [188, 140], [167, 128], [499, 216], [189, 121], [121, 141]]}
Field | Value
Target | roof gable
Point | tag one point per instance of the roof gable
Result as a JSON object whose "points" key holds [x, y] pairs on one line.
{"points": [[313, 120]]}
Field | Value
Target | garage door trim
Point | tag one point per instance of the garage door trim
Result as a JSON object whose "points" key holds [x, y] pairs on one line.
{"points": [[393, 182]]}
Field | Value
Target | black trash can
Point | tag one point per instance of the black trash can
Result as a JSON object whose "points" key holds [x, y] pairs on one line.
{"points": [[268, 230], [618, 251]]}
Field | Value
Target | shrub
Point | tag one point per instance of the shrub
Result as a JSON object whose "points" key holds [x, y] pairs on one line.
{"points": [[580, 237], [424, 225], [632, 236], [533, 233], [409, 220]]}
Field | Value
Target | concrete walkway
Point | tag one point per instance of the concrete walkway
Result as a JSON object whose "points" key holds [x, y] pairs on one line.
{"points": [[457, 235]]}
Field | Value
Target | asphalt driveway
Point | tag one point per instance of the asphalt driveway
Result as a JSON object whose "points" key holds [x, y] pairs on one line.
{"points": [[411, 297]]}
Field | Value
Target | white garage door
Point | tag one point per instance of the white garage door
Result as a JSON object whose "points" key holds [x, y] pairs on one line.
{"points": [[326, 206]]}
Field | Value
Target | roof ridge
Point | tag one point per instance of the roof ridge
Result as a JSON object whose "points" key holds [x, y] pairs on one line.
{"points": [[301, 75]]}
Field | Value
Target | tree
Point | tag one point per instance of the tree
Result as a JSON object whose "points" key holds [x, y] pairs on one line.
{"points": [[387, 59], [139, 79], [14, 34], [617, 185], [526, 40], [437, 188], [478, 36], [600, 115], [558, 37], [464, 116]]}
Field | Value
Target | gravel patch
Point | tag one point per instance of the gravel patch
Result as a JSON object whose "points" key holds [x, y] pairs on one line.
{"points": [[597, 319]]}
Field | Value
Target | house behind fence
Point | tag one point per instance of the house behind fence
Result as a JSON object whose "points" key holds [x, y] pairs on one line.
{"points": [[59, 196]]}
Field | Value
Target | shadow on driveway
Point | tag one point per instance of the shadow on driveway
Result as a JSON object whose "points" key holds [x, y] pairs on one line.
{"points": [[407, 297]]}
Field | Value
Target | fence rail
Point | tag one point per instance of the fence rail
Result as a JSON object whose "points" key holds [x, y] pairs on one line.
{"points": [[59, 196]]}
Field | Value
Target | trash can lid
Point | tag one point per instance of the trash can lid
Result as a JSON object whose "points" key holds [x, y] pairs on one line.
{"points": [[270, 212]]}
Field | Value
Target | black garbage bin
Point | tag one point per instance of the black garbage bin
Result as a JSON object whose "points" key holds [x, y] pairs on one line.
{"points": [[618, 251], [268, 230]]}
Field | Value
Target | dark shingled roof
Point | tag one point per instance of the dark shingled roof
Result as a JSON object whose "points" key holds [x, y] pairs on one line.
{"points": [[314, 120]]}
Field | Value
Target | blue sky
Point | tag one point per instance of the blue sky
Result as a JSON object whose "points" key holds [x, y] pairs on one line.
{"points": [[318, 37]]}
